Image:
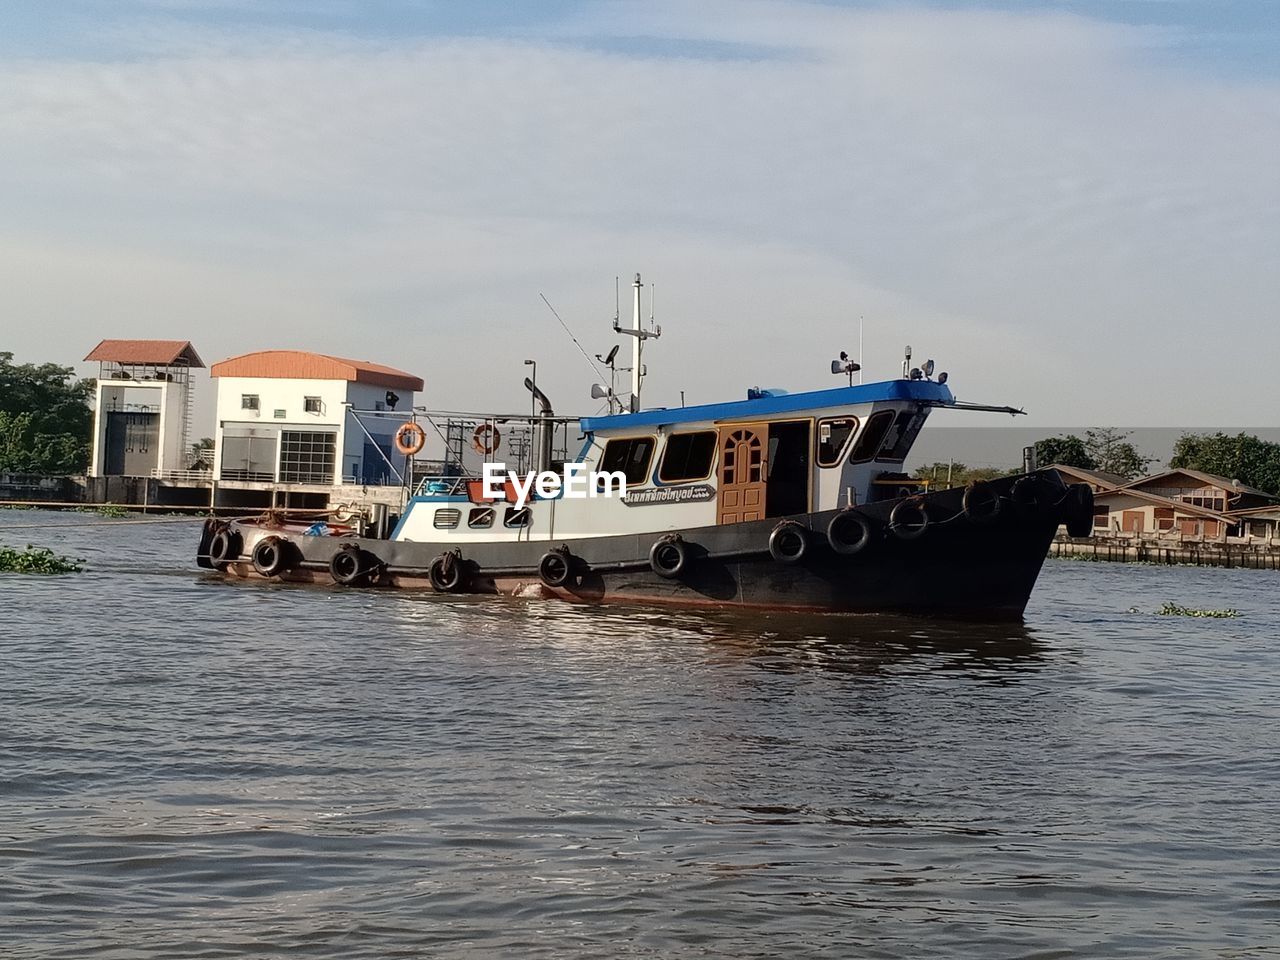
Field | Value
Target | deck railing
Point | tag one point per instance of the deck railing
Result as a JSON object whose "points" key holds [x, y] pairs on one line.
{"points": [[183, 476]]}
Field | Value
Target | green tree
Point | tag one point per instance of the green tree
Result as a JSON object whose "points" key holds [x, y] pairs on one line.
{"points": [[201, 453], [1111, 450], [1241, 457], [961, 475], [45, 419], [1069, 451]]}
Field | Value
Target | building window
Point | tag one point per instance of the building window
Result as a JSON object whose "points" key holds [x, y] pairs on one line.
{"points": [[631, 456], [307, 456], [1101, 517], [480, 517], [517, 517], [872, 436], [832, 437], [248, 401], [446, 518], [687, 456], [311, 404]]}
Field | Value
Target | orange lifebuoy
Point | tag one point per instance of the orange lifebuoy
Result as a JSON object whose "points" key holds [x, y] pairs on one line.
{"points": [[410, 438], [486, 439]]}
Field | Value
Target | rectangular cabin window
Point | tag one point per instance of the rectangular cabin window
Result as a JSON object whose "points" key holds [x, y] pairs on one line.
{"points": [[897, 444], [832, 437], [480, 517], [687, 456], [311, 404], [630, 455], [248, 401], [446, 518], [517, 517], [872, 436]]}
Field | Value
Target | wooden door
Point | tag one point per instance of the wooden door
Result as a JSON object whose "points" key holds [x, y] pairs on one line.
{"points": [[1131, 521], [742, 473]]}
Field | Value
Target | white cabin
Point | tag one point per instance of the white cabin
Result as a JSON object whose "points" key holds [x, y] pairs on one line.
{"points": [[772, 455]]}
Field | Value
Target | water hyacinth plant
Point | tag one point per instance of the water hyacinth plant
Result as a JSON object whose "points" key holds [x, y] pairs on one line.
{"points": [[36, 560], [1171, 609]]}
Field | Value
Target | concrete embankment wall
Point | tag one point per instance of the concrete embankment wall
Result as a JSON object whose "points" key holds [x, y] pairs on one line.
{"points": [[24, 486], [145, 492], [1258, 555], [29, 488]]}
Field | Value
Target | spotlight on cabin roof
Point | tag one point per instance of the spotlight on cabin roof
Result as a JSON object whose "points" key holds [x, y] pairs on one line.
{"points": [[845, 365]]}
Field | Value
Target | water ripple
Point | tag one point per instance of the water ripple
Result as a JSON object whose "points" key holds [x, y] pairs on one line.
{"points": [[191, 768]]}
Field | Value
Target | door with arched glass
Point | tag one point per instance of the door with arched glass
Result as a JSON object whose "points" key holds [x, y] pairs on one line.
{"points": [[743, 473]]}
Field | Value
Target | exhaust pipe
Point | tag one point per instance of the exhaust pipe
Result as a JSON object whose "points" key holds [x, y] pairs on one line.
{"points": [[545, 428]]}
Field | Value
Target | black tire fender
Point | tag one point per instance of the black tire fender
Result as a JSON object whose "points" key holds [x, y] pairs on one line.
{"points": [[1026, 493], [1079, 510], [668, 557], [981, 502], [789, 542], [272, 556], [556, 567], [901, 519], [224, 548], [447, 573], [350, 565], [842, 524]]}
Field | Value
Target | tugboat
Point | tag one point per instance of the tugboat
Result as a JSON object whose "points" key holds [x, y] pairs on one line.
{"points": [[779, 500]]}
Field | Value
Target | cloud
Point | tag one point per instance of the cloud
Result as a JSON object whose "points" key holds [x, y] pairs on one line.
{"points": [[1061, 214]]}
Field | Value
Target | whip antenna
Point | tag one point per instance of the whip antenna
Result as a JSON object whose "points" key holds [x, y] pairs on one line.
{"points": [[585, 355]]}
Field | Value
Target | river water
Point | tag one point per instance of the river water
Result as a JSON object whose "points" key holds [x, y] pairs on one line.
{"points": [[190, 768]]}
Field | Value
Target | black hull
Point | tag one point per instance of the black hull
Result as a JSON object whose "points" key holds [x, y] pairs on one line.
{"points": [[960, 565]]}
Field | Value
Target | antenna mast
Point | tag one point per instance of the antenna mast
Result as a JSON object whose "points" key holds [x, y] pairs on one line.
{"points": [[860, 361], [640, 335]]}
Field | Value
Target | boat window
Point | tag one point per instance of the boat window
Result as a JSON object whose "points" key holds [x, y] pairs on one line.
{"points": [[832, 437], [517, 517], [872, 436], [480, 517], [446, 518], [687, 456], [897, 444], [630, 455]]}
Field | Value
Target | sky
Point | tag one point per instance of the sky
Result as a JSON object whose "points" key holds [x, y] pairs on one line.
{"points": [[1074, 207]]}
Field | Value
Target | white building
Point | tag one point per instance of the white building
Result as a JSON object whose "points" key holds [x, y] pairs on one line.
{"points": [[289, 417], [142, 409]]}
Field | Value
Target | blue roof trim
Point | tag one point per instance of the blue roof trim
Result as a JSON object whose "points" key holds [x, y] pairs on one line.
{"points": [[924, 390]]}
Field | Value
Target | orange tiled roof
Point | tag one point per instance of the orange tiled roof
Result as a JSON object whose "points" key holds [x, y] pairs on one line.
{"points": [[304, 365], [157, 352]]}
